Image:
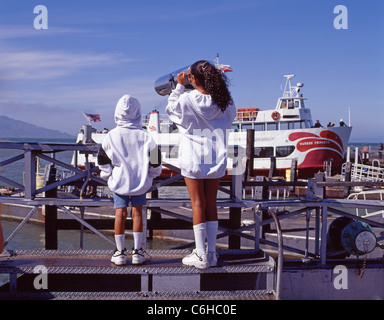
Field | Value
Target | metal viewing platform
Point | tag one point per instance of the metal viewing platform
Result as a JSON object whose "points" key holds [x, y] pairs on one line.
{"points": [[242, 273], [245, 274]]}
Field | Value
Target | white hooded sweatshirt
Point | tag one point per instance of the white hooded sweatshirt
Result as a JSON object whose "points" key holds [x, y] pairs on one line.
{"points": [[128, 147], [204, 130]]}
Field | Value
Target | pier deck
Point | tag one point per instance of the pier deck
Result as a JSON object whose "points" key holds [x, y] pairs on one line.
{"points": [[90, 274], [241, 273]]}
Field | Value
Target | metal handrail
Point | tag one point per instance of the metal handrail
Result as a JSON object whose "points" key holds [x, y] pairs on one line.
{"points": [[280, 256]]}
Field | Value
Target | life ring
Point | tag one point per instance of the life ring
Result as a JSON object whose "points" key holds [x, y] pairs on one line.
{"points": [[275, 115]]}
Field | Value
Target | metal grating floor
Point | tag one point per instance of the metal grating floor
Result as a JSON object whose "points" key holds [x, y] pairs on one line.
{"points": [[89, 274]]}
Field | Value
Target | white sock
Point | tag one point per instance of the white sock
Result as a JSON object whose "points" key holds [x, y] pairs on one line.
{"points": [[199, 232], [137, 237], [120, 241], [212, 227]]}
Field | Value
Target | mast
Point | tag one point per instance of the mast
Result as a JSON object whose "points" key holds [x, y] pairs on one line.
{"points": [[291, 89]]}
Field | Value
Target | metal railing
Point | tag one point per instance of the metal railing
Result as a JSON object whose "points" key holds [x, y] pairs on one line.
{"points": [[363, 172], [83, 178]]}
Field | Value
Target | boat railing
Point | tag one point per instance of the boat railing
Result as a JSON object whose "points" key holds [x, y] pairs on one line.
{"points": [[377, 194], [364, 172], [246, 114]]}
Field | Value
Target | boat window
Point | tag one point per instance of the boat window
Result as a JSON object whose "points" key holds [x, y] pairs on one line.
{"points": [[297, 103], [286, 125], [283, 125], [292, 125], [284, 151], [259, 127], [283, 104], [272, 126], [296, 125], [263, 152], [290, 104]]}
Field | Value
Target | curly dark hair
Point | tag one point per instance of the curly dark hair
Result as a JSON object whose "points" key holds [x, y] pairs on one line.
{"points": [[213, 81]]}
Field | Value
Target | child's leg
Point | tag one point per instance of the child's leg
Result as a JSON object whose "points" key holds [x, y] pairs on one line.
{"points": [[196, 192], [137, 220], [120, 218], [211, 187]]}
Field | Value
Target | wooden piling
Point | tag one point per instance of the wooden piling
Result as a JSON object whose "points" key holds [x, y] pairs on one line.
{"points": [[250, 151], [51, 228]]}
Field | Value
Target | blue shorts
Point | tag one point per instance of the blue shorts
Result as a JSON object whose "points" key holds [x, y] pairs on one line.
{"points": [[120, 201]]}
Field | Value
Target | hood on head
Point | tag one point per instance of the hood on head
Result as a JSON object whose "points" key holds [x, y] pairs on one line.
{"points": [[128, 112]]}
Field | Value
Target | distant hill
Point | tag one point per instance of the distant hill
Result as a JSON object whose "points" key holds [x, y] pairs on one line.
{"points": [[11, 128]]}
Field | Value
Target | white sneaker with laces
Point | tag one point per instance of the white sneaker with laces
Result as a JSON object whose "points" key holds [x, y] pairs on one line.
{"points": [[194, 260], [138, 256], [119, 258], [212, 258]]}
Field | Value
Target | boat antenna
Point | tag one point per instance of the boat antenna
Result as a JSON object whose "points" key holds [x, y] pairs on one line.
{"points": [[288, 83], [217, 61]]}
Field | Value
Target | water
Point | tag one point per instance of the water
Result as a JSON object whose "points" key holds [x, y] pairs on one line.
{"points": [[32, 237]]}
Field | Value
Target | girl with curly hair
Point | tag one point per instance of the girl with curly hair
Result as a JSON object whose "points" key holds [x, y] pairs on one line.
{"points": [[203, 117]]}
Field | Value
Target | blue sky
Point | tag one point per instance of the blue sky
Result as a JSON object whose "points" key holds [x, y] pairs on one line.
{"points": [[93, 52]]}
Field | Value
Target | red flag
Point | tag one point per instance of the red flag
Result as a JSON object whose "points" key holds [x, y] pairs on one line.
{"points": [[225, 67]]}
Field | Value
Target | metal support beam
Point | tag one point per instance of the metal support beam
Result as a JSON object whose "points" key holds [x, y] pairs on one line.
{"points": [[324, 229], [29, 174], [86, 225], [28, 216]]}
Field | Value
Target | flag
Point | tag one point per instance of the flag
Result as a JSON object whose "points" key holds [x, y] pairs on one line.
{"points": [[225, 67], [92, 117]]}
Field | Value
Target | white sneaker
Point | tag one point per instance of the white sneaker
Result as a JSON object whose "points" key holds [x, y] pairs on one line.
{"points": [[138, 256], [119, 258], [212, 258], [193, 260]]}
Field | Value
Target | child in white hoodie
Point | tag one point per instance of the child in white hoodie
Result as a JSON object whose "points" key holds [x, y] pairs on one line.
{"points": [[129, 159]]}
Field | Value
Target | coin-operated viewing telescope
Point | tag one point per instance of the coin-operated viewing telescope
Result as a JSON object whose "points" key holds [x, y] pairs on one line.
{"points": [[165, 84]]}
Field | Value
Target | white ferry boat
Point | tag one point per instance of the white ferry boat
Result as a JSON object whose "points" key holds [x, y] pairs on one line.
{"points": [[284, 133]]}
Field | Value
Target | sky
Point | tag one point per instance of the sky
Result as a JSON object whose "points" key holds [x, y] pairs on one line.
{"points": [[90, 53]]}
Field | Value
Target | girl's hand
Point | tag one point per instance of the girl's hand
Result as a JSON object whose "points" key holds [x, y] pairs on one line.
{"points": [[181, 78]]}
